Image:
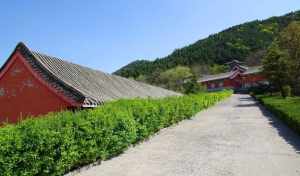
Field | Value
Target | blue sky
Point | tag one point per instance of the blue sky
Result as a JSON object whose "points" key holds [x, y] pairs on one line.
{"points": [[108, 34]]}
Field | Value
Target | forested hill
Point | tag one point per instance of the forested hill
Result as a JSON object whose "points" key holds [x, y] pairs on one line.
{"points": [[245, 42]]}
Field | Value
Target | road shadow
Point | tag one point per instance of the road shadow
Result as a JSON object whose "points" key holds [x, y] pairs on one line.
{"points": [[283, 130], [246, 105], [247, 102], [246, 98]]}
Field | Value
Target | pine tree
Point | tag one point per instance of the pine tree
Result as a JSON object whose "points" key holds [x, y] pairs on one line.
{"points": [[289, 41], [276, 67]]}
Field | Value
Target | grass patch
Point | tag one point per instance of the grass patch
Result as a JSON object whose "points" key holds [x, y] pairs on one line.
{"points": [[59, 142], [287, 109]]}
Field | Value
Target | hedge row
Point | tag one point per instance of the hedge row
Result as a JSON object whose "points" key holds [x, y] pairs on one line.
{"points": [[287, 109], [59, 142]]}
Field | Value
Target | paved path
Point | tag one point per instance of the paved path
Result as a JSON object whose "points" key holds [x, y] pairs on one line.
{"points": [[236, 137]]}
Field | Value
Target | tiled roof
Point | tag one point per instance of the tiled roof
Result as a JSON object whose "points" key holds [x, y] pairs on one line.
{"points": [[234, 61], [205, 78], [249, 70], [92, 87]]}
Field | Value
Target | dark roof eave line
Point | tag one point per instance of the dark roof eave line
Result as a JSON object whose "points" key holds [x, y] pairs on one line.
{"points": [[45, 68]]}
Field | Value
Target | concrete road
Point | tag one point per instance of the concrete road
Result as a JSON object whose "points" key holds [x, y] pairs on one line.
{"points": [[236, 137]]}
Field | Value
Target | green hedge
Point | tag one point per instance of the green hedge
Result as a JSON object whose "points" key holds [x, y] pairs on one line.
{"points": [[59, 142], [287, 109]]}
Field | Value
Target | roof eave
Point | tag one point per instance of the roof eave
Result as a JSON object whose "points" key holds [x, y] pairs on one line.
{"points": [[89, 106]]}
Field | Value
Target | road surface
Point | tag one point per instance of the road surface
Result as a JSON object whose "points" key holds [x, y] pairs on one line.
{"points": [[237, 137]]}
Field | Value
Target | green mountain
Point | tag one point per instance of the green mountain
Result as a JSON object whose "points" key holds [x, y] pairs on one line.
{"points": [[246, 42]]}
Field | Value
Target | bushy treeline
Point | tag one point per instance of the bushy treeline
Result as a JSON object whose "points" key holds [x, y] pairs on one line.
{"points": [[243, 42], [287, 109], [281, 65], [180, 79], [59, 142]]}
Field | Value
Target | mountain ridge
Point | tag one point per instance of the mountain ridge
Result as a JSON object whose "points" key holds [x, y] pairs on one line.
{"points": [[244, 42]]}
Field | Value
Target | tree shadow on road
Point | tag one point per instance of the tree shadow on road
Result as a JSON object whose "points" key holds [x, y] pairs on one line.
{"points": [[246, 98], [247, 102], [246, 105], [283, 130]]}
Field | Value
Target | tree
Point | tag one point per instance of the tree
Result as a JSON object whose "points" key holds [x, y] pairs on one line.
{"points": [[215, 69], [282, 62], [141, 78], [176, 77], [276, 67], [289, 41], [191, 86]]}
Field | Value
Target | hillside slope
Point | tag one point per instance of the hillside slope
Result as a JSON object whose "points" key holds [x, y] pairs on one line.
{"points": [[245, 42]]}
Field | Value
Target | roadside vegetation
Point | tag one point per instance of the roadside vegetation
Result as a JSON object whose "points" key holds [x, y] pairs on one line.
{"points": [[59, 142], [287, 109]]}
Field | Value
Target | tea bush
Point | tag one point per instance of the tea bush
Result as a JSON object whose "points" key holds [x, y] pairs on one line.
{"points": [[59, 142]]}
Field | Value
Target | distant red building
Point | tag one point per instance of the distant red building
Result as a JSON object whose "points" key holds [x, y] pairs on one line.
{"points": [[32, 83], [238, 78]]}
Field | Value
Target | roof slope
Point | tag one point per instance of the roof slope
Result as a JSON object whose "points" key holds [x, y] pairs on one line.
{"points": [[205, 78], [91, 87], [248, 70]]}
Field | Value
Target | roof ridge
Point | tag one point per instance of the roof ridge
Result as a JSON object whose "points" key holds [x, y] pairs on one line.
{"points": [[26, 49], [66, 61]]}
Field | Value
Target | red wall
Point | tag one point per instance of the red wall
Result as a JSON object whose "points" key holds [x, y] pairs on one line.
{"points": [[254, 78], [22, 94]]}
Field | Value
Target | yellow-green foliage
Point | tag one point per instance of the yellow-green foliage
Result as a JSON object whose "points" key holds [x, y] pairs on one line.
{"points": [[59, 142]]}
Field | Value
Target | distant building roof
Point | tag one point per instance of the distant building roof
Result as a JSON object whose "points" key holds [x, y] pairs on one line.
{"points": [[205, 78], [234, 61], [246, 71], [86, 85]]}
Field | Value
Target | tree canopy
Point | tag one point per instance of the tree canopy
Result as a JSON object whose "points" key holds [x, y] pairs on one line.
{"points": [[282, 62], [175, 78]]}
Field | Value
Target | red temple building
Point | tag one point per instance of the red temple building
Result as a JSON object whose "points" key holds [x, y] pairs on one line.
{"points": [[238, 78], [32, 83]]}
